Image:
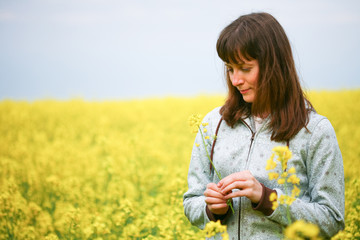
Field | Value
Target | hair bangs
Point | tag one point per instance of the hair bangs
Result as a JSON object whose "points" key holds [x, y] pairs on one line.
{"points": [[232, 46]]}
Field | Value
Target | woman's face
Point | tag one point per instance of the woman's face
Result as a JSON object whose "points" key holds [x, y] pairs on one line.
{"points": [[244, 77]]}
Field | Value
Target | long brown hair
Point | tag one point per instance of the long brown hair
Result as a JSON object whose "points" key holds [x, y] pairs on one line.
{"points": [[278, 92]]}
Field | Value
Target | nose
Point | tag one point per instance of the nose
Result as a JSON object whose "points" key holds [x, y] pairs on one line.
{"points": [[237, 78]]}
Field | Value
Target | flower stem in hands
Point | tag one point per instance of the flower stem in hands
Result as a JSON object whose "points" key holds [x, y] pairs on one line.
{"points": [[228, 202], [207, 154]]}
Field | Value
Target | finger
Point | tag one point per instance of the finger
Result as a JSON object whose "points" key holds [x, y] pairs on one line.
{"points": [[225, 180], [239, 176], [251, 189], [230, 179], [210, 200], [217, 206], [249, 193], [236, 185], [234, 194], [212, 193], [213, 186], [240, 193]]}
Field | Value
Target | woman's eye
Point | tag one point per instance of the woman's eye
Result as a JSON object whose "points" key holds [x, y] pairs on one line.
{"points": [[229, 70], [245, 69]]}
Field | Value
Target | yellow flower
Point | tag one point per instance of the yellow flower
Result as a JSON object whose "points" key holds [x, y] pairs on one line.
{"points": [[195, 120], [205, 124], [295, 192], [212, 228], [273, 197], [194, 129], [289, 200], [273, 175], [270, 164], [293, 179], [284, 174], [284, 154], [281, 181], [207, 137], [225, 236], [197, 144], [205, 130], [302, 230], [279, 149], [275, 204], [292, 170], [282, 199]]}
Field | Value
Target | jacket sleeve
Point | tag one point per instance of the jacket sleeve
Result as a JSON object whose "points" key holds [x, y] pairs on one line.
{"points": [[199, 176], [325, 173]]}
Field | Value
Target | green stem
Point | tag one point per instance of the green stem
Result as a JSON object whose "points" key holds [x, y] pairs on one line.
{"points": [[287, 206], [207, 154], [288, 214], [228, 202], [285, 186]]}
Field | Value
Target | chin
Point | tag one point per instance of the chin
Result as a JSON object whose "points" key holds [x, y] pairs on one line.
{"points": [[248, 100]]}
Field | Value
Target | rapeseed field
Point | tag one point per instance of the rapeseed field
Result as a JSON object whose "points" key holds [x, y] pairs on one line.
{"points": [[117, 169]]}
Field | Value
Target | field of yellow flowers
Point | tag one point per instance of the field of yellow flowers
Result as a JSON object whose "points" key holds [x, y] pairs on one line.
{"points": [[117, 169]]}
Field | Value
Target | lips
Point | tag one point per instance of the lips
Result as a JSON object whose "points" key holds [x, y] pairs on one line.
{"points": [[244, 91]]}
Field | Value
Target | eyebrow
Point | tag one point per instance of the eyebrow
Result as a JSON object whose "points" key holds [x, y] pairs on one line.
{"points": [[239, 64]]}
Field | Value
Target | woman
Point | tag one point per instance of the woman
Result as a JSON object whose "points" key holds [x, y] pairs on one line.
{"points": [[265, 107]]}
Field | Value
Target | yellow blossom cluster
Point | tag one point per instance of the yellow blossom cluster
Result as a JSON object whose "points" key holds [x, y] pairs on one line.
{"points": [[283, 155], [301, 230], [117, 169], [297, 230], [215, 228], [195, 122]]}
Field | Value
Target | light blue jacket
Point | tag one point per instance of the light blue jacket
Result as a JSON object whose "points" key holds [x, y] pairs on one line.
{"points": [[315, 155]]}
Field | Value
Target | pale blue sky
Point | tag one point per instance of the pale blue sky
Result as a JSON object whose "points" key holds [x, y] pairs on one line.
{"points": [[107, 49]]}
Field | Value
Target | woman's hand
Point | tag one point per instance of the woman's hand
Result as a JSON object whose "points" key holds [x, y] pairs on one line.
{"points": [[215, 200], [246, 183]]}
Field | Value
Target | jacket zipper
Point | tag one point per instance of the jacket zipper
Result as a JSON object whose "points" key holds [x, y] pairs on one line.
{"points": [[247, 159]]}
